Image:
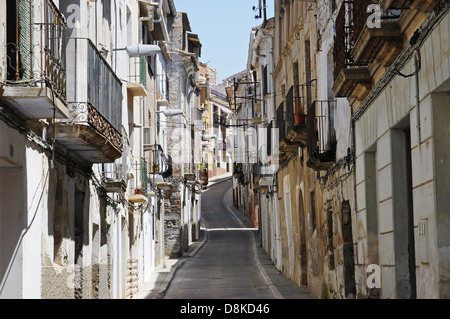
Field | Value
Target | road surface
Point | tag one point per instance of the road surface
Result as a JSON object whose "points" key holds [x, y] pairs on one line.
{"points": [[225, 266]]}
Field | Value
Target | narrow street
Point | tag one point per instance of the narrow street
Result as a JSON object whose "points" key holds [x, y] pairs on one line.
{"points": [[325, 121], [230, 264]]}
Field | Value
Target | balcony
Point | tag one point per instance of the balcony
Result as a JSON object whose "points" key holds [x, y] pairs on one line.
{"points": [[298, 100], [139, 191], [238, 172], [291, 118], [351, 79], [285, 145], [34, 85], [375, 44], [321, 137], [116, 175], [160, 167], [256, 174], [137, 78], [159, 163], [115, 178], [95, 106]]}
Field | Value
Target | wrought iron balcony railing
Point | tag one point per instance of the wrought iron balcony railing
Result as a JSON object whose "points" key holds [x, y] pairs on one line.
{"points": [[33, 82], [137, 70], [351, 21], [298, 101], [291, 116], [140, 167], [158, 162], [93, 82], [95, 105], [84, 113], [35, 45], [321, 136], [347, 73], [280, 121]]}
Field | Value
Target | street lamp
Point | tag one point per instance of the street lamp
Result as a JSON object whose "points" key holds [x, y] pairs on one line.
{"points": [[171, 112], [209, 137], [140, 50]]}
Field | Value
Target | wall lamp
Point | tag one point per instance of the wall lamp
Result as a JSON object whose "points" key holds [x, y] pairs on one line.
{"points": [[171, 112], [140, 50], [209, 137]]}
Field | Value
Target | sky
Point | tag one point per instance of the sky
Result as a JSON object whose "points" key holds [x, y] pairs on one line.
{"points": [[223, 27]]}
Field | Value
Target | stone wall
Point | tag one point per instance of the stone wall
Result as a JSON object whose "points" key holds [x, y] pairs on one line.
{"points": [[172, 224]]}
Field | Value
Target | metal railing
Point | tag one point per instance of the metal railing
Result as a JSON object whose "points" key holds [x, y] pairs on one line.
{"points": [[352, 18], [280, 121], [293, 112], [158, 162], [298, 101], [141, 176], [342, 38], [321, 136], [36, 47], [94, 82], [85, 113], [137, 70], [122, 168], [104, 87]]}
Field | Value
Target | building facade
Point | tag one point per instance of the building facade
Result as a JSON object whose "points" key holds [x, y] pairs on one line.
{"points": [[398, 101], [216, 157], [82, 84], [356, 89]]}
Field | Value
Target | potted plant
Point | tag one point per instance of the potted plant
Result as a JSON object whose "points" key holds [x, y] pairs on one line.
{"points": [[155, 168]]}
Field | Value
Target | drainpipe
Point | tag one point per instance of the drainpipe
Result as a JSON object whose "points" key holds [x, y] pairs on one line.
{"points": [[416, 78]]}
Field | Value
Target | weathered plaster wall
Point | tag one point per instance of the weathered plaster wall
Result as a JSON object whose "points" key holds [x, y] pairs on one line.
{"points": [[290, 197]]}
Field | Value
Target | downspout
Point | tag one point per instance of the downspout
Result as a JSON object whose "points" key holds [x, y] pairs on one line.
{"points": [[115, 39], [96, 23], [416, 78]]}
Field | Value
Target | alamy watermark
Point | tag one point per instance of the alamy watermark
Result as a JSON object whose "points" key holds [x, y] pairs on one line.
{"points": [[374, 276], [73, 16]]}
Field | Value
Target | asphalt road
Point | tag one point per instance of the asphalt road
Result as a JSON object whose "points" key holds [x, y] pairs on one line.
{"points": [[224, 268]]}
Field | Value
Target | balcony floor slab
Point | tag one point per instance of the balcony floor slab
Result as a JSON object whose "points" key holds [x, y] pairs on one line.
{"points": [[87, 142], [34, 102]]}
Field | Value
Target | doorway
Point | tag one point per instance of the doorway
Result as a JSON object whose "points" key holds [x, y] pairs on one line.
{"points": [[303, 254], [349, 256], [404, 247]]}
